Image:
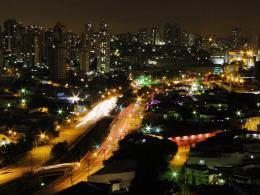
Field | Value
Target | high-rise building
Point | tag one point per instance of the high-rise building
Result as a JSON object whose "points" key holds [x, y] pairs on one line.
{"points": [[155, 36], [84, 59], [57, 61], [236, 38], [32, 45], [1, 50], [56, 54], [84, 53], [194, 40], [103, 49], [143, 36], [172, 34], [89, 32], [10, 34]]}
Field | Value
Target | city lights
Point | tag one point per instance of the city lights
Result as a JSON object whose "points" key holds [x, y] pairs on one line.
{"points": [[177, 104]]}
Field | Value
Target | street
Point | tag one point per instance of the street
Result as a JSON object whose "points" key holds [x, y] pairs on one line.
{"points": [[128, 120], [40, 155]]}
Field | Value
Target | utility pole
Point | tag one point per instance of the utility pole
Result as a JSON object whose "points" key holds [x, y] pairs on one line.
{"points": [[88, 167], [71, 179], [31, 161]]}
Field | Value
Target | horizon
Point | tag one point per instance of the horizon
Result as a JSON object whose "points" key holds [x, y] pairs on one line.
{"points": [[203, 17]]}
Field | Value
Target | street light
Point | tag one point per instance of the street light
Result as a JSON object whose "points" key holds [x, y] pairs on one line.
{"points": [[74, 99], [23, 90], [148, 128], [42, 136], [174, 174], [23, 101], [60, 111], [239, 113]]}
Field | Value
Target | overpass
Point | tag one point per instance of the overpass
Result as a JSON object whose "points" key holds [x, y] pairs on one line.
{"points": [[58, 169]]}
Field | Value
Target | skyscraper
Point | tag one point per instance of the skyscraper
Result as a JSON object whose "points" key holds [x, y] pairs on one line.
{"points": [[10, 34], [143, 36], [32, 45], [236, 39], [172, 34], [155, 36], [56, 54], [89, 32], [1, 50], [103, 49], [84, 59], [84, 53], [57, 61]]}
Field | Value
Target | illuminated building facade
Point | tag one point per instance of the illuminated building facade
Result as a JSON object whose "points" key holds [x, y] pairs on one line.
{"points": [[236, 38], [84, 57], [244, 57], [155, 36], [1, 50], [10, 34], [103, 49], [89, 33], [32, 45]]}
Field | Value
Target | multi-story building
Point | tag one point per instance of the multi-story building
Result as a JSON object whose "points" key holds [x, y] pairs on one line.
{"points": [[155, 36], [103, 49], [89, 33], [84, 54], [172, 34], [236, 38], [56, 54], [32, 45], [143, 36], [1, 50], [10, 34], [57, 61]]}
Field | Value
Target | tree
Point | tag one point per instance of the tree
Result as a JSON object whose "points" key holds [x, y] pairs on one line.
{"points": [[59, 149]]}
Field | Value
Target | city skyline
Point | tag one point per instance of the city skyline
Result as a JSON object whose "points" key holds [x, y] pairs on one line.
{"points": [[204, 17], [129, 97]]}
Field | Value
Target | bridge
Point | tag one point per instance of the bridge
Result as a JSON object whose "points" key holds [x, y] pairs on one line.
{"points": [[192, 139], [58, 169]]}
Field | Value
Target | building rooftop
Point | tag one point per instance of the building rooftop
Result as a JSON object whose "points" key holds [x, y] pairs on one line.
{"points": [[117, 167]]}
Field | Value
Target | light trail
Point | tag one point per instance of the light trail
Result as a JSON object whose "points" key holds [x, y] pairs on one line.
{"points": [[38, 156], [127, 120], [99, 111]]}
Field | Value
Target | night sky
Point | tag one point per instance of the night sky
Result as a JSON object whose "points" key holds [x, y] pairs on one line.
{"points": [[201, 16]]}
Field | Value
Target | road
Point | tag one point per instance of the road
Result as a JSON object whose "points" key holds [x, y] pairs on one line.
{"points": [[128, 120], [40, 155]]}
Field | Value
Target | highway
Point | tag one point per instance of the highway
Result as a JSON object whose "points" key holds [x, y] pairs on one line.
{"points": [[40, 155], [128, 120]]}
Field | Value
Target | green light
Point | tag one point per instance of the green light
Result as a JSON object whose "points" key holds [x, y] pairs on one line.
{"points": [[174, 174], [60, 111]]}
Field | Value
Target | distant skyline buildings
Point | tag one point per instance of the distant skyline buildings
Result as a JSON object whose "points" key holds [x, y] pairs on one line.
{"points": [[103, 49], [202, 17], [61, 51]]}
